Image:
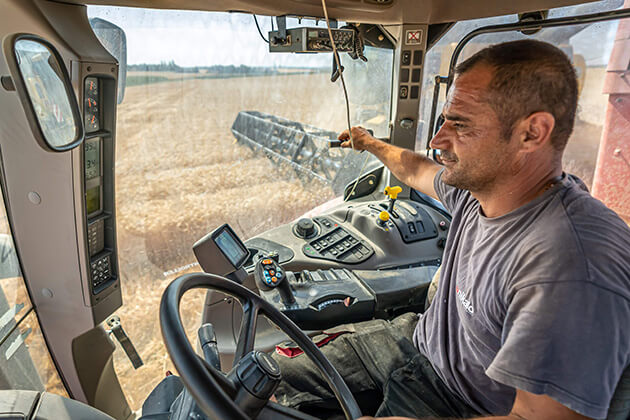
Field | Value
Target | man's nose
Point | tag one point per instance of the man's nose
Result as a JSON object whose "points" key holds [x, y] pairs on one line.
{"points": [[440, 140]]}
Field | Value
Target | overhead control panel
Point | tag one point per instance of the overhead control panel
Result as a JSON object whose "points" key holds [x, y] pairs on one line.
{"points": [[311, 40]]}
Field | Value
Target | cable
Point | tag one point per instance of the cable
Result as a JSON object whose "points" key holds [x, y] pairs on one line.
{"points": [[345, 92], [259, 31], [343, 82]]}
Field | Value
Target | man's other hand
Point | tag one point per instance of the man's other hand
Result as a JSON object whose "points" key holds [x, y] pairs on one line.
{"points": [[360, 137]]}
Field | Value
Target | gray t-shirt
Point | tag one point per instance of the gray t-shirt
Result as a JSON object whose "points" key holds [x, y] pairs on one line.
{"points": [[537, 299]]}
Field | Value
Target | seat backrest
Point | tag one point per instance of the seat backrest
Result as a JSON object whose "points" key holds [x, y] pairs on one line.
{"points": [[620, 403], [432, 288]]}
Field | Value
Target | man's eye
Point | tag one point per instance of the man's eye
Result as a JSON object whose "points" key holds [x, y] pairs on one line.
{"points": [[459, 126]]}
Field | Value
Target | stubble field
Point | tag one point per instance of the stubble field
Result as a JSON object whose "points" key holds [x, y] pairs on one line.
{"points": [[180, 174]]}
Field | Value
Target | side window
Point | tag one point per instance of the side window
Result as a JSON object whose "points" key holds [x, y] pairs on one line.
{"points": [[589, 48], [25, 362]]}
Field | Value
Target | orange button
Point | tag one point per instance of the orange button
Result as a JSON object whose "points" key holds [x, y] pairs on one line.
{"points": [[274, 279], [272, 273], [267, 261]]}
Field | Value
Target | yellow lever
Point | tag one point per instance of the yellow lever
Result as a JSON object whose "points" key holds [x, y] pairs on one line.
{"points": [[383, 216], [392, 192]]}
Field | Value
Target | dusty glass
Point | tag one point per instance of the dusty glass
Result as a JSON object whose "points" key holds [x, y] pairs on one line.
{"points": [[181, 169]]}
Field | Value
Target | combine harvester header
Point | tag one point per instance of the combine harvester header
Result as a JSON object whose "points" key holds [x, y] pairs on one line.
{"points": [[304, 147]]}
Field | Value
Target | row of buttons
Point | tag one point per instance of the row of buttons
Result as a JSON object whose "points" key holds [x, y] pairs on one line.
{"points": [[96, 241], [405, 91]]}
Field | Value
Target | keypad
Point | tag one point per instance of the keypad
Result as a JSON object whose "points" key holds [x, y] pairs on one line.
{"points": [[337, 244], [101, 271]]}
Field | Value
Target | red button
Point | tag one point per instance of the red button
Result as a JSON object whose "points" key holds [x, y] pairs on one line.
{"points": [[272, 273], [267, 261]]}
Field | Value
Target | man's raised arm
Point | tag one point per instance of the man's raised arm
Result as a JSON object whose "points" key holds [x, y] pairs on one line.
{"points": [[410, 167]]}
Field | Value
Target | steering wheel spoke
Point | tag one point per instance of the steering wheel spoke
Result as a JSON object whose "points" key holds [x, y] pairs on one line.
{"points": [[247, 335]]}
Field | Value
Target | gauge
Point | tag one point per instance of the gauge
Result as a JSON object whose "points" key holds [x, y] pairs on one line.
{"points": [[91, 105], [91, 87], [91, 122]]}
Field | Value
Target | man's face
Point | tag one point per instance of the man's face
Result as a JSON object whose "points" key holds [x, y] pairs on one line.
{"points": [[472, 148]]}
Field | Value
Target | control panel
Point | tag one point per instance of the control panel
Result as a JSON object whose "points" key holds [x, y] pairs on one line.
{"points": [[412, 221], [335, 243], [318, 299], [99, 93], [303, 40]]}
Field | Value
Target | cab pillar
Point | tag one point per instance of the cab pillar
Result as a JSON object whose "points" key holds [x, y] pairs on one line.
{"points": [[611, 182]]}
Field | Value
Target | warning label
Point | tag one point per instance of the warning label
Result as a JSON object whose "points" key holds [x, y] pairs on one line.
{"points": [[414, 37]]}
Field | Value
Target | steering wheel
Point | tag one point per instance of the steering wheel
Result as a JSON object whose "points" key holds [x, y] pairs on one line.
{"points": [[226, 396]]}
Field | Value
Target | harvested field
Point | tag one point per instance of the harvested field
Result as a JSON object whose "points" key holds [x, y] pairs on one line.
{"points": [[180, 174]]}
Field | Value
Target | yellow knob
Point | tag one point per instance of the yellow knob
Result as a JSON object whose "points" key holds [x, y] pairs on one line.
{"points": [[383, 216], [392, 192]]}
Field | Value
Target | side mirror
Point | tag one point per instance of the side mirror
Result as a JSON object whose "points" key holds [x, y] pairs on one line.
{"points": [[114, 40], [43, 85]]}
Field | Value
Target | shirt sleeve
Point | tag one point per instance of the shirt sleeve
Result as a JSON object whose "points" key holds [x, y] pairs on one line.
{"points": [[568, 340], [447, 194]]}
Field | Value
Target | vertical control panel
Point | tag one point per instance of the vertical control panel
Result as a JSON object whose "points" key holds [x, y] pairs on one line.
{"points": [[98, 193]]}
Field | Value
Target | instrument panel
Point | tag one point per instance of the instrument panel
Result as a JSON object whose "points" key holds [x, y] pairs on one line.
{"points": [[351, 236]]}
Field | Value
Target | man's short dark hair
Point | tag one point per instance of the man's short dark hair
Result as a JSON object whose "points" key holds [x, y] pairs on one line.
{"points": [[529, 76]]}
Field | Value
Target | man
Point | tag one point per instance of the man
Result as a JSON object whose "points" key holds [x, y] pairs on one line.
{"points": [[530, 320]]}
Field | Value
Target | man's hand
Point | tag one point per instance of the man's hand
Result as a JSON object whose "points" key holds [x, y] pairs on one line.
{"points": [[361, 138], [411, 168]]}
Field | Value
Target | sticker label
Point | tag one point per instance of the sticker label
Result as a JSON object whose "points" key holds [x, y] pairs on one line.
{"points": [[414, 37]]}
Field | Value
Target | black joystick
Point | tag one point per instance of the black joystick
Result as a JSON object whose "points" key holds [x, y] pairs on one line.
{"points": [[269, 275], [304, 228]]}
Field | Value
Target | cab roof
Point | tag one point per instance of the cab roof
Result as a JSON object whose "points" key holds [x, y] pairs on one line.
{"points": [[367, 11]]}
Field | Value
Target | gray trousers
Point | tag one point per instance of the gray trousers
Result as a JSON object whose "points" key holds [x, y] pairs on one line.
{"points": [[379, 363]]}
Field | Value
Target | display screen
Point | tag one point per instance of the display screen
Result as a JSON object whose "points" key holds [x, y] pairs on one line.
{"points": [[92, 158], [230, 247], [93, 199]]}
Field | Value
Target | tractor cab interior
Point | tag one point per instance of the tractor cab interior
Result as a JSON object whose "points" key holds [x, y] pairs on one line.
{"points": [[192, 147]]}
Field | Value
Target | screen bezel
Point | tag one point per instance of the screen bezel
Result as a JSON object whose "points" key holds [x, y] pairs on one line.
{"points": [[238, 242]]}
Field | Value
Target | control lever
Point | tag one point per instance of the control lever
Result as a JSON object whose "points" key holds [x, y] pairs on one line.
{"points": [[269, 275], [116, 328], [208, 342], [392, 193]]}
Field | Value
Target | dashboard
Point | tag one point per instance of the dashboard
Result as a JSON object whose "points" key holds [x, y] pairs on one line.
{"points": [[351, 237], [349, 265]]}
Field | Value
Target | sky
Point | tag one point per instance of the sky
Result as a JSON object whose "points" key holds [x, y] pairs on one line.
{"points": [[193, 38]]}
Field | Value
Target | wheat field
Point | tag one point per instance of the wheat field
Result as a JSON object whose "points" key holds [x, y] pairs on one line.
{"points": [[180, 174]]}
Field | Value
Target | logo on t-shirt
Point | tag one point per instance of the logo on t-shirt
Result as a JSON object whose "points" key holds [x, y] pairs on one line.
{"points": [[465, 302]]}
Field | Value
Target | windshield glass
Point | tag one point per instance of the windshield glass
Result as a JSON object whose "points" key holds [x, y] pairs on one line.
{"points": [[212, 130]]}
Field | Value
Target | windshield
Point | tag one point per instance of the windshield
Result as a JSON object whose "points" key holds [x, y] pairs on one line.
{"points": [[212, 130]]}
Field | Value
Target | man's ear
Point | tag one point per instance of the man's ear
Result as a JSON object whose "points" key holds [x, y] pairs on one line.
{"points": [[534, 131]]}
